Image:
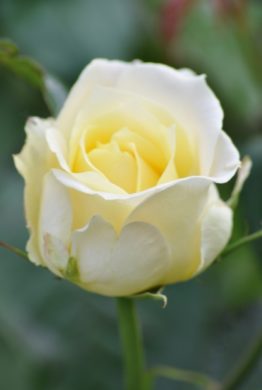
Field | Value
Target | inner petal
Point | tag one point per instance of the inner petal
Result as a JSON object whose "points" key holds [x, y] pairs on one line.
{"points": [[118, 166], [186, 155], [170, 172], [131, 142], [147, 150], [146, 175], [141, 122]]}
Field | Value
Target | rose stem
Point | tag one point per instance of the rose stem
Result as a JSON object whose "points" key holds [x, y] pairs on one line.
{"points": [[10, 248], [132, 344], [242, 241]]}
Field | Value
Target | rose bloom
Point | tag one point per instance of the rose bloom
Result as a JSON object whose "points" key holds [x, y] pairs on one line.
{"points": [[119, 188]]}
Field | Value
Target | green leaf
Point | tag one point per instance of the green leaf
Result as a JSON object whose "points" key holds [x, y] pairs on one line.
{"points": [[54, 93]]}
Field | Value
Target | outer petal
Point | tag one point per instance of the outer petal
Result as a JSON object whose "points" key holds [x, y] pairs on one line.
{"points": [[86, 202], [187, 97], [98, 72], [216, 228], [226, 159], [32, 163], [55, 223], [176, 212], [113, 266], [114, 207]]}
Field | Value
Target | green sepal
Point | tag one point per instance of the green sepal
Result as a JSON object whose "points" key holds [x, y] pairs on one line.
{"points": [[72, 271], [154, 295]]}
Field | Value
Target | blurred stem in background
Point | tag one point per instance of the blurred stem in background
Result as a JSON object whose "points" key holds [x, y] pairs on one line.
{"points": [[197, 379], [242, 241], [246, 363]]}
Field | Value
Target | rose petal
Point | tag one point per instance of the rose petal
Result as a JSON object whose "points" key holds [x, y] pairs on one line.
{"points": [[35, 153], [57, 145], [113, 266], [176, 213], [189, 99], [87, 203], [216, 228], [98, 72], [226, 159], [55, 223]]}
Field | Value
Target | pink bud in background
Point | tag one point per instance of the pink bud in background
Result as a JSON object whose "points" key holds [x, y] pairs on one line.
{"points": [[172, 17]]}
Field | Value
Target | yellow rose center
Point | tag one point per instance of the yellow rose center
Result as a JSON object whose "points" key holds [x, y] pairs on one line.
{"points": [[133, 148]]}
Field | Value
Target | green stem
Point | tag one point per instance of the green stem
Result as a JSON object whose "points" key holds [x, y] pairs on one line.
{"points": [[132, 344], [13, 249], [242, 241], [245, 365], [195, 378]]}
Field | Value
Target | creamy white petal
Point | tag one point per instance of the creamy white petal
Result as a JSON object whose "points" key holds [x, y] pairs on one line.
{"points": [[119, 266], [55, 223], [98, 72], [216, 228], [176, 213], [192, 103], [186, 96], [33, 162], [58, 146], [82, 184], [86, 203], [226, 159]]}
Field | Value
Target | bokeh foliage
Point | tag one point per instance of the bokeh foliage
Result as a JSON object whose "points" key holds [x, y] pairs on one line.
{"points": [[55, 336]]}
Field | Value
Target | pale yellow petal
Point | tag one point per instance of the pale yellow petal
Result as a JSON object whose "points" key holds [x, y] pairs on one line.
{"points": [[146, 149], [216, 228], [117, 266], [226, 159], [170, 172], [55, 223], [188, 99], [146, 175], [98, 72], [33, 162], [86, 203], [119, 167], [128, 112], [175, 212]]}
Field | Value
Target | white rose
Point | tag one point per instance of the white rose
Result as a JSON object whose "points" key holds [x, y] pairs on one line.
{"points": [[119, 192]]}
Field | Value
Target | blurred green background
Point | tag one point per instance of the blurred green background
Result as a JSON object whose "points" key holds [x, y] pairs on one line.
{"points": [[55, 336]]}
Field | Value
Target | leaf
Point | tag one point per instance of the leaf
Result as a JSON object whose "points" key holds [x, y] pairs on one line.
{"points": [[54, 93]]}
